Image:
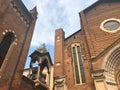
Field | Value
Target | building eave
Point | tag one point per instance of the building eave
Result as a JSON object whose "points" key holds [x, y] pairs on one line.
{"points": [[72, 34], [97, 3]]}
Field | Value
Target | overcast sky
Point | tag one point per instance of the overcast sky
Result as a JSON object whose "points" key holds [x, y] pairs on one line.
{"points": [[53, 14]]}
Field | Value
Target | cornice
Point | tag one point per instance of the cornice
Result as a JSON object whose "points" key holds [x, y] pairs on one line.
{"points": [[22, 11]]}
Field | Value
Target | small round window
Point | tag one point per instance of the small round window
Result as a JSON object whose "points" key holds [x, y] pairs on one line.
{"points": [[110, 25]]}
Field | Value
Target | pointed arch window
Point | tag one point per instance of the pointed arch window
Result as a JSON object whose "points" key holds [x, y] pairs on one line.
{"points": [[78, 65], [5, 45]]}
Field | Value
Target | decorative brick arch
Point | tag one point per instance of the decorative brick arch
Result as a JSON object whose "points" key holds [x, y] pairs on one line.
{"points": [[7, 41], [111, 62], [11, 31]]}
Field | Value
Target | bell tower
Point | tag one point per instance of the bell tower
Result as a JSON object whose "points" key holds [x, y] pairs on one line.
{"points": [[41, 74], [59, 74], [58, 56]]}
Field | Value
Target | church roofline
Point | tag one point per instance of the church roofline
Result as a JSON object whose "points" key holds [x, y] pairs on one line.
{"points": [[73, 34], [21, 8], [96, 3]]}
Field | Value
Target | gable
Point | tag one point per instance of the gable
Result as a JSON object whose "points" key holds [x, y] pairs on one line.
{"points": [[92, 21], [99, 2]]}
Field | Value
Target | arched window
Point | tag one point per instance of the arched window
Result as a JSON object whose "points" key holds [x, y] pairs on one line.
{"points": [[5, 45], [78, 65]]}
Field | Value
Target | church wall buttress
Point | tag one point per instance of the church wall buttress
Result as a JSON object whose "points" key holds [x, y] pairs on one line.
{"points": [[59, 56]]}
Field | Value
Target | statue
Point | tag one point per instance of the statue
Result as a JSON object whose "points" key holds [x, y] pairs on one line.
{"points": [[42, 48]]}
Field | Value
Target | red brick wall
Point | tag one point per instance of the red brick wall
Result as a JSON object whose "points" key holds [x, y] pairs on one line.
{"points": [[93, 42], [98, 40], [13, 65], [58, 53], [68, 63]]}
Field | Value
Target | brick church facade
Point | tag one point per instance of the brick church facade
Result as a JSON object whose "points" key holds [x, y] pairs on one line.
{"points": [[16, 29], [89, 59]]}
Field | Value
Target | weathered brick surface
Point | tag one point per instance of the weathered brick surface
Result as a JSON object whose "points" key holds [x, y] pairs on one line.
{"points": [[13, 65], [99, 40], [58, 53], [95, 43]]}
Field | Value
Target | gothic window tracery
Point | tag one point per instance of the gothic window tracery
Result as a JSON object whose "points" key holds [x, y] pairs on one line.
{"points": [[78, 65]]}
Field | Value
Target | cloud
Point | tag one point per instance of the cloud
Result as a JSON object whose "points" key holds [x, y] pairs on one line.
{"points": [[55, 14]]}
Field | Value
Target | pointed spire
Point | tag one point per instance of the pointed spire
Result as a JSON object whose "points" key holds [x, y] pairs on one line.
{"points": [[34, 12]]}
